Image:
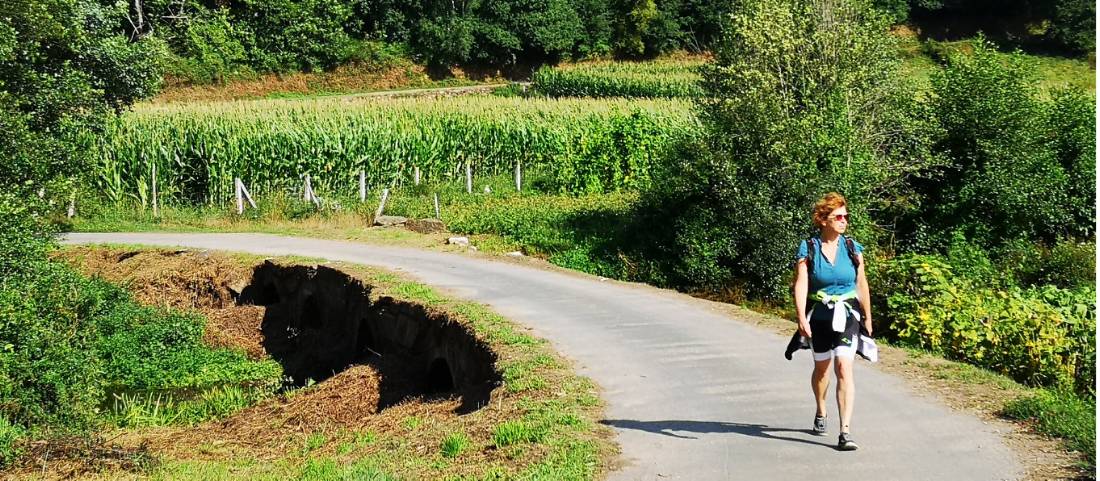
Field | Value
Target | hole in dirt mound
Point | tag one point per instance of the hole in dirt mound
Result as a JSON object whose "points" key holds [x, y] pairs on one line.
{"points": [[318, 321]]}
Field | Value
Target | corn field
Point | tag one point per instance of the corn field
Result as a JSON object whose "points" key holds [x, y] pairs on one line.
{"points": [[198, 148], [655, 79]]}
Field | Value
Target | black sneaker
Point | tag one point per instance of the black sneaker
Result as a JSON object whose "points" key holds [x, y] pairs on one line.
{"points": [[846, 443], [820, 427]]}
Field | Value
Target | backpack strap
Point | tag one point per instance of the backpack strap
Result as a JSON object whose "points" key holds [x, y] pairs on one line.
{"points": [[851, 245], [811, 253]]}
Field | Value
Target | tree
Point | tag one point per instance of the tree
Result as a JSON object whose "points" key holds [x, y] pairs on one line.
{"points": [[1018, 163], [633, 19], [64, 66], [804, 97]]}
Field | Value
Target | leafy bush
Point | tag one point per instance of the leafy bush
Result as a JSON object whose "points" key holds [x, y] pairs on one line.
{"points": [[1006, 178], [618, 153], [1068, 264], [1073, 25], [48, 363], [1071, 126], [147, 349], [211, 50], [67, 341], [1038, 336], [896, 10]]}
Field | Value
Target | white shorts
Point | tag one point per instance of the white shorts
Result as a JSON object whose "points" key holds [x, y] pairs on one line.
{"points": [[839, 351]]}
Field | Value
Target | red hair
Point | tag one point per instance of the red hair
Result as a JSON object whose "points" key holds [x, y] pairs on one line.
{"points": [[826, 205]]}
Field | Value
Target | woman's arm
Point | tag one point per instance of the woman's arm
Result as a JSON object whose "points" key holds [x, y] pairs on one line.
{"points": [[801, 287], [864, 292]]}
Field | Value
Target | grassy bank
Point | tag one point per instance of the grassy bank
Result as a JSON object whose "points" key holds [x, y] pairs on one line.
{"points": [[540, 424]]}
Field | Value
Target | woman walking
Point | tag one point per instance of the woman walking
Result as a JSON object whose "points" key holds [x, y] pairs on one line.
{"points": [[832, 300]]}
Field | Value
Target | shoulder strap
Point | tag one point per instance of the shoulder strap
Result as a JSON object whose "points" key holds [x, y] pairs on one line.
{"points": [[852, 254], [811, 253]]}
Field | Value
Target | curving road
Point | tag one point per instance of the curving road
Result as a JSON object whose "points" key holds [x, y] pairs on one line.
{"points": [[692, 393]]}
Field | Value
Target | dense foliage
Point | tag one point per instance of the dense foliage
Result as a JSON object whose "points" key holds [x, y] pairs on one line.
{"points": [[64, 64], [1040, 336], [590, 146], [1021, 167], [67, 342], [214, 41]]}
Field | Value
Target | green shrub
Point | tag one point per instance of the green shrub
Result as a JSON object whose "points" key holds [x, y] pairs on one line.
{"points": [[1041, 336], [1068, 264], [1071, 126], [289, 35], [211, 49], [896, 10], [618, 153], [972, 261], [50, 371], [1018, 163], [1073, 25], [149, 349]]}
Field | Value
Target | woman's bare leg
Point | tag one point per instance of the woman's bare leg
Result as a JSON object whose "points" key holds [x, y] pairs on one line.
{"points": [[819, 381], [845, 390]]}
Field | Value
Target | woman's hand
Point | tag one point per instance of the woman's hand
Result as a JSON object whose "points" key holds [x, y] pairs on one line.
{"points": [[867, 326], [804, 328]]}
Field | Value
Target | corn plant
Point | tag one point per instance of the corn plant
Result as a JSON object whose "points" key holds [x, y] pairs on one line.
{"points": [[661, 78], [588, 145]]}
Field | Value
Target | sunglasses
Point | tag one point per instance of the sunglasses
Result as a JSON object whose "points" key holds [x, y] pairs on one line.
{"points": [[841, 217]]}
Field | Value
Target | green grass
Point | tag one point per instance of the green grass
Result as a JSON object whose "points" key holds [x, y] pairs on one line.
{"points": [[921, 59], [509, 433], [411, 423], [454, 444], [1062, 414], [165, 408], [319, 469], [522, 376], [314, 442]]}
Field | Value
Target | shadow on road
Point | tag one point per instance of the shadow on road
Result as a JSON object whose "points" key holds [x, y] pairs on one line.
{"points": [[670, 427]]}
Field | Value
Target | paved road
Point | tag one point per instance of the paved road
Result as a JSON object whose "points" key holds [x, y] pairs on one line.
{"points": [[692, 394]]}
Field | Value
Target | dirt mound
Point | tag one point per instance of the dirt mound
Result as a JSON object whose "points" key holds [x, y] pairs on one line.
{"points": [[182, 279], [177, 278]]}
